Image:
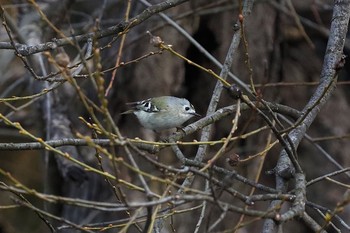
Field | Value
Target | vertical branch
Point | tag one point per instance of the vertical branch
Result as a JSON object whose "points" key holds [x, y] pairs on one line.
{"points": [[332, 63], [120, 51], [217, 93]]}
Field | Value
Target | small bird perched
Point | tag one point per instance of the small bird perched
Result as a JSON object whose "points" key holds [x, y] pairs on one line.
{"points": [[164, 112]]}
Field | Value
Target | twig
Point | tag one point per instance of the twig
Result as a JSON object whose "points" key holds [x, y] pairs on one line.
{"points": [[26, 50], [332, 64]]}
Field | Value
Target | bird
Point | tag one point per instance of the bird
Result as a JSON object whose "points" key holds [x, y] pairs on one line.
{"points": [[162, 113]]}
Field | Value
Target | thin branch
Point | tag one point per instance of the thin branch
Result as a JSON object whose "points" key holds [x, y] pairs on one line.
{"points": [[333, 61], [26, 50]]}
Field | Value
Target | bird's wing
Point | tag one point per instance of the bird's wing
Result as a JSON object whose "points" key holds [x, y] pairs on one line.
{"points": [[144, 105]]}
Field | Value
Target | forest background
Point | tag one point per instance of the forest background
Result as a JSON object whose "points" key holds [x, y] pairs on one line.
{"points": [[269, 154]]}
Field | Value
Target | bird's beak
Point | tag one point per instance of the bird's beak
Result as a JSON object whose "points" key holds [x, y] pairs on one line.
{"points": [[196, 114]]}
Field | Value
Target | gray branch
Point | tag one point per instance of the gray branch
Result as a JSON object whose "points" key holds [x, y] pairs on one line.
{"points": [[26, 50], [332, 63]]}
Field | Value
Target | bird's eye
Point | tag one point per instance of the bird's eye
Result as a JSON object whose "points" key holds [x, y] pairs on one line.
{"points": [[187, 108]]}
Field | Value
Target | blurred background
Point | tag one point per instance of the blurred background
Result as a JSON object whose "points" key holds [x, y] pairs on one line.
{"points": [[285, 45]]}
